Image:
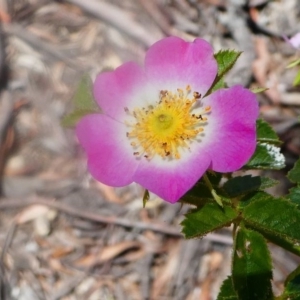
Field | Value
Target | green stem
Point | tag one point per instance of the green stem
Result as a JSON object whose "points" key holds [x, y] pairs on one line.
{"points": [[213, 192], [234, 231]]}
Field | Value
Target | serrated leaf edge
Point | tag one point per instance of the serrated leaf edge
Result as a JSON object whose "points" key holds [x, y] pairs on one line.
{"points": [[220, 75], [231, 64], [205, 232], [262, 229]]}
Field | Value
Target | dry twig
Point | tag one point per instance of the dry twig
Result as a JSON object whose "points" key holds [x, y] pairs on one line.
{"points": [[116, 17], [157, 227], [38, 44]]}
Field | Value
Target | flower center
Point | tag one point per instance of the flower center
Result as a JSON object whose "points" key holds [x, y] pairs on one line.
{"points": [[164, 121], [165, 128]]}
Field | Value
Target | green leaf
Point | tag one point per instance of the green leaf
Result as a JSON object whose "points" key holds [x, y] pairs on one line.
{"points": [[292, 286], [294, 174], [266, 156], [251, 266], [265, 133], [297, 79], [254, 196], [208, 218], [293, 63], [225, 60], [219, 84], [83, 98], [198, 195], [195, 201], [276, 217], [284, 243], [258, 90], [294, 195], [71, 119], [244, 184], [84, 103], [227, 291]]}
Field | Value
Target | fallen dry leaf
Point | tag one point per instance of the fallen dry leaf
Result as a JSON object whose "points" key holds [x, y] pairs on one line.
{"points": [[31, 213], [107, 253]]}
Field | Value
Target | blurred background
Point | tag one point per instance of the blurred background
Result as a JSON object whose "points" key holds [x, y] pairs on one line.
{"points": [[65, 236]]}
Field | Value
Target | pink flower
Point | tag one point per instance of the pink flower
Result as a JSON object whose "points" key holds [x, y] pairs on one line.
{"points": [[294, 41], [156, 129]]}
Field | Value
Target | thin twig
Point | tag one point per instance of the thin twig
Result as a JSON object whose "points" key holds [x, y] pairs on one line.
{"points": [[116, 17], [7, 107], [157, 227], [68, 286], [158, 16], [8, 239], [38, 44], [6, 132], [5, 287]]}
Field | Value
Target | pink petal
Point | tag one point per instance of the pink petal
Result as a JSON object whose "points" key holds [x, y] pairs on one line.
{"points": [[231, 128], [295, 41], [172, 63], [110, 156], [228, 142], [117, 89], [171, 180]]}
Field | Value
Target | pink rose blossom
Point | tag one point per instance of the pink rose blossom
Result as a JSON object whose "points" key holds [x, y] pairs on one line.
{"points": [[156, 128]]}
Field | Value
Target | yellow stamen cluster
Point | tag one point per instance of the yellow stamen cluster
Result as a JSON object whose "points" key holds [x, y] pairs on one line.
{"points": [[164, 128]]}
